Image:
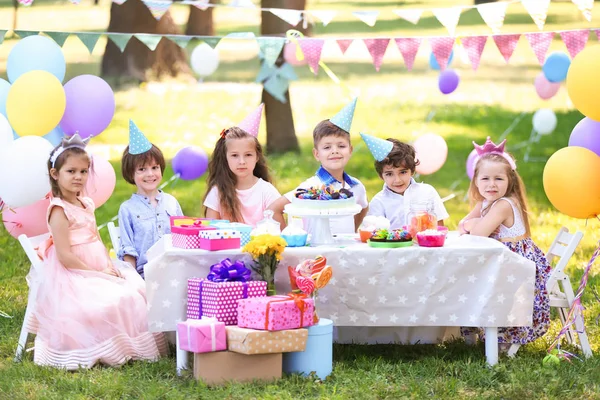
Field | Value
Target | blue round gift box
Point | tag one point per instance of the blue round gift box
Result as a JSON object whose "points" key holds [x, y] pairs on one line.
{"points": [[318, 356]]}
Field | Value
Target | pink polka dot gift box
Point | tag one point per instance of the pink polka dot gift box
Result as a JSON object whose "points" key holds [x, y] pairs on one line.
{"points": [[276, 313], [220, 239], [188, 236]]}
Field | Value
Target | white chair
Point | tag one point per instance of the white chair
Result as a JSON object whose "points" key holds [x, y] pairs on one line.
{"points": [[560, 289], [30, 245], [115, 236]]}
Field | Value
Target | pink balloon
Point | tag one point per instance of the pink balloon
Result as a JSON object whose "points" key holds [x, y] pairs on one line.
{"points": [[432, 151], [544, 88], [29, 220], [101, 182], [471, 164], [289, 55]]}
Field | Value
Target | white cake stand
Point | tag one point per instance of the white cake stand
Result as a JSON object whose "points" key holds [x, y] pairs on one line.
{"points": [[321, 229]]}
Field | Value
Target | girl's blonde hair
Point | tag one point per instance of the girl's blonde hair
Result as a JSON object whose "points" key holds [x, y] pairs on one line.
{"points": [[224, 179], [515, 191]]}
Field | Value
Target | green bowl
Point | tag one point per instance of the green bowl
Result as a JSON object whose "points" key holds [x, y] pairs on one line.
{"points": [[389, 245]]}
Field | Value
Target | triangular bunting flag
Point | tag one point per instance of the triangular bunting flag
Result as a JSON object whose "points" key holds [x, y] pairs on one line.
{"points": [[287, 71], [200, 4], [157, 8], [575, 40], [538, 10], [211, 41], [586, 7], [474, 46], [312, 52], [368, 17], [58, 37], [344, 44], [507, 44], [151, 41], [377, 48], [413, 16], [89, 40], [120, 39], [441, 48], [119, 2], [270, 48], [380, 148], [2, 34], [180, 40], [24, 34], [242, 4], [324, 16], [240, 35], [277, 87], [540, 42], [25, 2], [75, 1], [597, 33], [408, 48], [292, 17], [448, 17], [493, 14]]}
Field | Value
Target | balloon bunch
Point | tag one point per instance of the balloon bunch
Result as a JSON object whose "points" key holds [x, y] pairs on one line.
{"points": [[36, 112]]}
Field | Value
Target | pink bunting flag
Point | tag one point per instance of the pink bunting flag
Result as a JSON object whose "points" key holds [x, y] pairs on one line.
{"points": [[474, 46], [312, 52], [252, 121], [344, 44], [408, 48], [575, 40], [441, 47], [377, 48], [540, 43], [507, 44]]}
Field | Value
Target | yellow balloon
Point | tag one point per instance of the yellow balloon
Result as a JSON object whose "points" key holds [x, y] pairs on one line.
{"points": [[35, 103], [572, 181], [583, 84]]}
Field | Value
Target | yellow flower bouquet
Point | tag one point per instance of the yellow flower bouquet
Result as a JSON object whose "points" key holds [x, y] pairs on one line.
{"points": [[266, 251]]}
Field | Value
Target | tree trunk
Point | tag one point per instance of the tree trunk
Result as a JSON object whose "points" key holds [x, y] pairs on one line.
{"points": [[483, 1], [281, 135], [200, 22], [137, 60]]}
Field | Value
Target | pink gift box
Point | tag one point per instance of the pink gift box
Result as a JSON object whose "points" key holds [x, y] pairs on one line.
{"points": [[202, 335], [219, 299], [220, 239], [274, 313], [188, 236]]}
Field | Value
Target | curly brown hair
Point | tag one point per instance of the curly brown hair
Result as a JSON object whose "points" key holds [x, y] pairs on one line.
{"points": [[223, 178], [402, 155], [131, 162], [326, 128]]}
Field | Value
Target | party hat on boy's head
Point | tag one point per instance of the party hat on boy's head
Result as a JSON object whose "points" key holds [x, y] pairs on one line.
{"points": [[251, 123], [138, 143], [343, 119], [380, 148]]}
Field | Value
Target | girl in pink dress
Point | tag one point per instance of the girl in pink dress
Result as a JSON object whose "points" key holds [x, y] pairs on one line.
{"points": [[89, 309]]}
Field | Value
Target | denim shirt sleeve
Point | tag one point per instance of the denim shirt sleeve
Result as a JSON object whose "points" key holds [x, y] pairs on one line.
{"points": [[126, 230]]}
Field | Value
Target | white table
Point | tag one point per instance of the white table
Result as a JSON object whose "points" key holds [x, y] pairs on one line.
{"points": [[471, 281]]}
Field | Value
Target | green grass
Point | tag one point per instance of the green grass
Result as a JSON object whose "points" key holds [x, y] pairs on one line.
{"points": [[393, 102]]}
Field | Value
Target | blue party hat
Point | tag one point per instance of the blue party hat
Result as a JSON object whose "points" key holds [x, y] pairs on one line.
{"points": [[380, 148], [138, 143], [343, 119]]}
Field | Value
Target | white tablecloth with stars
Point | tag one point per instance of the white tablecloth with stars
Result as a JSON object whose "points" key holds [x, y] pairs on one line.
{"points": [[471, 281]]}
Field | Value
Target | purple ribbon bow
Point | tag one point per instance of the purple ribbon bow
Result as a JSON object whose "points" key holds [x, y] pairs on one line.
{"points": [[226, 271]]}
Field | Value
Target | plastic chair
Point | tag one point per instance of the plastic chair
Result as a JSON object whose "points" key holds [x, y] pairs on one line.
{"points": [[115, 236], [30, 245], [560, 289]]}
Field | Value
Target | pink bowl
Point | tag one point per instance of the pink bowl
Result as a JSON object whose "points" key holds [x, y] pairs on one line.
{"points": [[433, 240]]}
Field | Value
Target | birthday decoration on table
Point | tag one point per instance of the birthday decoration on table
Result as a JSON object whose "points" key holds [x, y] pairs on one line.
{"points": [[309, 276], [227, 271], [266, 252]]}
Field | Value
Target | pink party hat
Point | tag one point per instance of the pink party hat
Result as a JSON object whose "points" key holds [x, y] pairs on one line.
{"points": [[251, 123]]}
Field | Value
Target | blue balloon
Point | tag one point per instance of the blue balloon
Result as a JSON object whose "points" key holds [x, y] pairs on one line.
{"points": [[556, 67], [433, 63], [35, 53], [55, 136], [4, 88], [15, 136]]}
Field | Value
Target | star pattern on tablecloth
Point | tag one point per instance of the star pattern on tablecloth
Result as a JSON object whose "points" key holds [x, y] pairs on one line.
{"points": [[154, 285], [510, 318], [520, 299], [402, 261], [491, 279], [343, 262], [422, 260], [412, 279], [343, 299], [510, 278], [452, 317], [382, 261], [413, 318], [393, 318], [362, 300], [441, 260], [166, 303], [501, 258], [392, 280], [333, 281], [433, 318], [481, 259], [174, 283], [402, 299], [352, 281], [452, 279], [373, 280], [462, 298], [472, 318], [323, 298], [382, 299], [442, 299], [333, 317], [481, 299], [362, 261], [491, 319], [422, 299], [500, 299], [472, 278], [462, 260], [373, 318], [432, 279], [353, 318]]}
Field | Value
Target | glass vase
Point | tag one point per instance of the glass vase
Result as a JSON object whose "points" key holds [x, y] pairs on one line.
{"points": [[271, 288]]}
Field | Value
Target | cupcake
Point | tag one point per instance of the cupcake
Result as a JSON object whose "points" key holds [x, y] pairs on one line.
{"points": [[294, 236], [370, 224]]}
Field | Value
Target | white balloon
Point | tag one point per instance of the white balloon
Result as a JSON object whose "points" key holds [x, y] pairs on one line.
{"points": [[432, 152], [6, 133], [204, 60], [24, 171], [544, 121]]}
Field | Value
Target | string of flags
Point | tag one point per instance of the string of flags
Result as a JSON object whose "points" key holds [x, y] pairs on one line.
{"points": [[493, 14]]}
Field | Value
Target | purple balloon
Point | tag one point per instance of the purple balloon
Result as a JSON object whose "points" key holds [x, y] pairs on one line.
{"points": [[471, 164], [586, 134], [90, 106], [190, 163], [448, 81]]}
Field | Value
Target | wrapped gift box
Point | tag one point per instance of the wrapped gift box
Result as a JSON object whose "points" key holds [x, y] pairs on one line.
{"points": [[275, 313], [252, 341], [188, 236], [202, 335], [219, 299], [178, 221], [225, 366], [220, 239], [242, 228]]}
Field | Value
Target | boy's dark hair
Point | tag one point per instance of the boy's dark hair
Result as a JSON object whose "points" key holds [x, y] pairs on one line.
{"points": [[326, 128], [131, 162], [403, 155]]}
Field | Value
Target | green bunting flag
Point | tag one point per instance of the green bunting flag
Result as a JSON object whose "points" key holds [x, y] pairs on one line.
{"points": [[89, 39], [120, 39], [151, 41], [59, 37]]}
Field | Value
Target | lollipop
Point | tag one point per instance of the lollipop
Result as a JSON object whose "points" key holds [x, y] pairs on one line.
{"points": [[305, 284], [322, 278]]}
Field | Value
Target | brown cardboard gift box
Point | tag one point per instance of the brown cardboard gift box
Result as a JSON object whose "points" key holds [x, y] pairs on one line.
{"points": [[223, 366], [252, 341]]}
